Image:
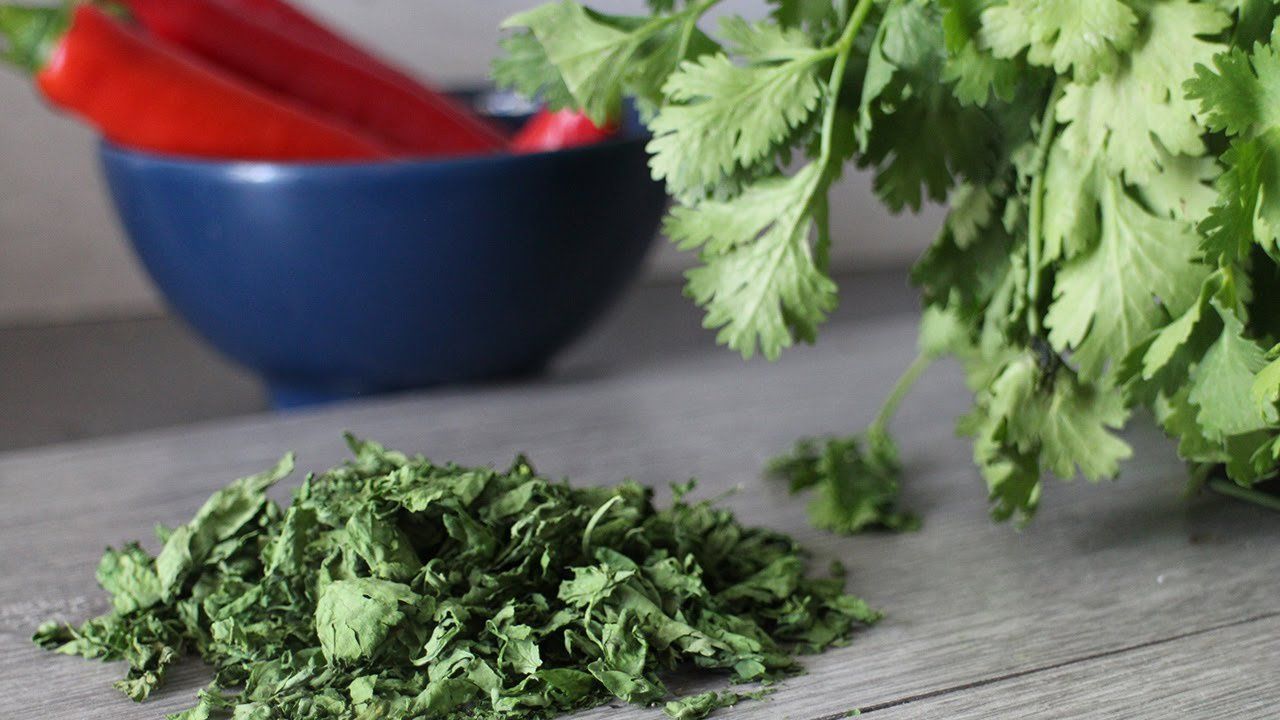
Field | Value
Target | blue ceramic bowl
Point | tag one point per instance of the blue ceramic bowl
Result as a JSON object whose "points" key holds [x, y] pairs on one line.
{"points": [[340, 280]]}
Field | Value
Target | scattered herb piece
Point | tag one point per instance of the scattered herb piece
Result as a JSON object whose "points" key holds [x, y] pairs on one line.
{"points": [[855, 482], [394, 587], [856, 479], [696, 707]]}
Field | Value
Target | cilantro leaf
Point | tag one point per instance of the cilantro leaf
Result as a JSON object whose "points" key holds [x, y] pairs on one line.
{"points": [[1183, 189], [1176, 345], [1177, 416], [1084, 36], [1075, 430], [912, 129], [1107, 301], [221, 517], [1255, 20], [979, 77], [353, 617], [1246, 213], [1222, 384], [1242, 99], [590, 53], [1266, 387], [1027, 423], [760, 281], [524, 67], [696, 707], [814, 15], [128, 576], [1098, 113], [721, 116], [1072, 187], [970, 262], [600, 57], [1013, 477]]}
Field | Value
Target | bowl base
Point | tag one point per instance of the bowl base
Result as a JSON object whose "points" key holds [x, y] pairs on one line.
{"points": [[294, 396]]}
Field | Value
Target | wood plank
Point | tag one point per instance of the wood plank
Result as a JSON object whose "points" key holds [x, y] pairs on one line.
{"points": [[71, 382], [1223, 674], [1103, 569]]}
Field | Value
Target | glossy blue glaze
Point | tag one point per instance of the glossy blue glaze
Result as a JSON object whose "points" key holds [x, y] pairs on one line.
{"points": [[335, 280]]}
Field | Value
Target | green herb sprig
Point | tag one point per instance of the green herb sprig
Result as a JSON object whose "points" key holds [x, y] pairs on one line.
{"points": [[1112, 172]]}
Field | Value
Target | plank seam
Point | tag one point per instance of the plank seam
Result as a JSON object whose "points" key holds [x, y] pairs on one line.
{"points": [[984, 682]]}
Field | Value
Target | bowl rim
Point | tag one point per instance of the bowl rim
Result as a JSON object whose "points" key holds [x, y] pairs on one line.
{"points": [[633, 131]]}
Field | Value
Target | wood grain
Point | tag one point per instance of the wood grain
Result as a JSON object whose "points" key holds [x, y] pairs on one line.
{"points": [[1226, 673], [1118, 573]]}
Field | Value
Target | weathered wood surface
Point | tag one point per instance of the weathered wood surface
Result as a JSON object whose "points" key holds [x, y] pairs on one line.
{"points": [[1125, 600]]}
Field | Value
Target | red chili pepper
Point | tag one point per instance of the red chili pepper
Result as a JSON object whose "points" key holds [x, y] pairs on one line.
{"points": [[559, 129], [408, 116], [288, 19], [143, 94]]}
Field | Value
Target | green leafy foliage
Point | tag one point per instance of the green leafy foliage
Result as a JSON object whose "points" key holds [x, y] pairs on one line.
{"points": [[760, 281], [1099, 113], [524, 66], [722, 116], [1030, 420], [1142, 270], [902, 133], [1242, 99], [600, 58], [1112, 169], [1084, 36], [978, 75], [816, 16], [395, 587], [854, 480], [1222, 383]]}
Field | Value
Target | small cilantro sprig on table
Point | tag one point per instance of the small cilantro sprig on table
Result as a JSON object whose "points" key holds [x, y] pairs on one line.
{"points": [[855, 479], [1112, 169], [393, 587]]}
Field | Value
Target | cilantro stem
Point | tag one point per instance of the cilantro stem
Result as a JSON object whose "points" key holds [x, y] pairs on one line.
{"points": [[843, 48], [595, 520], [686, 34], [1257, 497], [693, 12], [689, 16], [900, 391], [1035, 225]]}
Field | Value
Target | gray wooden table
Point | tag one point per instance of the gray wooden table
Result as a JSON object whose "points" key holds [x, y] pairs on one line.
{"points": [[1127, 600]]}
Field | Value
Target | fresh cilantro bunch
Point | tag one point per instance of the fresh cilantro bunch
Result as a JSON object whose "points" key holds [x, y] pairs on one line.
{"points": [[1112, 169], [395, 588]]}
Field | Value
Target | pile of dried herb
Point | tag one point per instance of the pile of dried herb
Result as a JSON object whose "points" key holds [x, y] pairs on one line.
{"points": [[396, 588]]}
